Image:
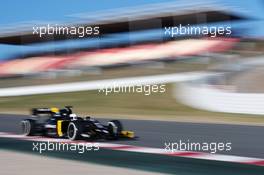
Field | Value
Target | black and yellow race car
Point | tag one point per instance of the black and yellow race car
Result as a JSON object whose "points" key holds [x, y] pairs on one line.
{"points": [[55, 122]]}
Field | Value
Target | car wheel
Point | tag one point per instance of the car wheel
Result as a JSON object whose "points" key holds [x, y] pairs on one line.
{"points": [[28, 127], [74, 130], [114, 128]]}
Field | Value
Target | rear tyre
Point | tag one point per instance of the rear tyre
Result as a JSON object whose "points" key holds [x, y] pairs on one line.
{"points": [[74, 130], [28, 127], [114, 128]]}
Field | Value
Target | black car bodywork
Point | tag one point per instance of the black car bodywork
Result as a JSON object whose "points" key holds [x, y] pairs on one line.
{"points": [[54, 122]]}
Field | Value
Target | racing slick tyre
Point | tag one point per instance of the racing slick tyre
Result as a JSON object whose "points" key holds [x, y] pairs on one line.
{"points": [[28, 127], [74, 130], [114, 128]]}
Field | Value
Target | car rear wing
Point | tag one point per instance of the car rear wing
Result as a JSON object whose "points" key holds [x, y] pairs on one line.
{"points": [[36, 111]]}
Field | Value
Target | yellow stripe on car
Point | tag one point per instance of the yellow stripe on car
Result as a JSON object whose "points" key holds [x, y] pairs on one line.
{"points": [[59, 131]]}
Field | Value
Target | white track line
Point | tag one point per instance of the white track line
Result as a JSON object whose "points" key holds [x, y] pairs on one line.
{"points": [[130, 148]]}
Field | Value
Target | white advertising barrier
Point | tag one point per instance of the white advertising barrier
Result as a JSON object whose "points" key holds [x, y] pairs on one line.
{"points": [[100, 84], [208, 98]]}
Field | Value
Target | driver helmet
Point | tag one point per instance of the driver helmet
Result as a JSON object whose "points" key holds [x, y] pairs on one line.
{"points": [[74, 116]]}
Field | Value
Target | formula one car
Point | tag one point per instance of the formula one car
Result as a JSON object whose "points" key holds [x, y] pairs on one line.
{"points": [[54, 122]]}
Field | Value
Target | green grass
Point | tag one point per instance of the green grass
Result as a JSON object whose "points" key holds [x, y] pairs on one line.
{"points": [[161, 106]]}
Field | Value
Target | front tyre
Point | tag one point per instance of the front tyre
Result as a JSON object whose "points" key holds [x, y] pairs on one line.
{"points": [[115, 128], [28, 127]]}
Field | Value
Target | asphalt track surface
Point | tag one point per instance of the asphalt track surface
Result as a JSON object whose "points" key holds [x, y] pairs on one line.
{"points": [[246, 140]]}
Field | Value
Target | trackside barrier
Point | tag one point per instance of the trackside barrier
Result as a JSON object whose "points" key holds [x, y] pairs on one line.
{"points": [[99, 84], [206, 97]]}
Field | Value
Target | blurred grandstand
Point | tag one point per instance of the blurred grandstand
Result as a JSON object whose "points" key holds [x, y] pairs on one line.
{"points": [[121, 40], [136, 54]]}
